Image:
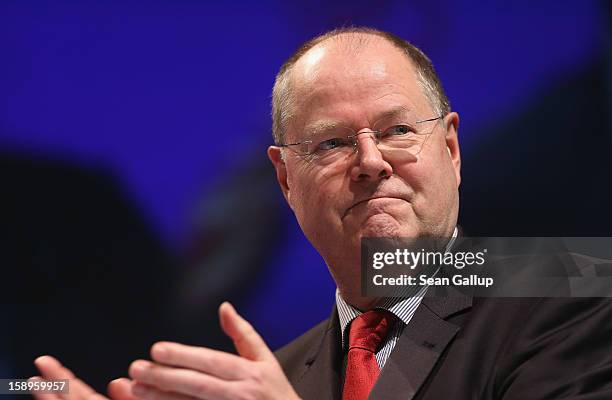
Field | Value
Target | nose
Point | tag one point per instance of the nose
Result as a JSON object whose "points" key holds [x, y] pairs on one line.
{"points": [[370, 165]]}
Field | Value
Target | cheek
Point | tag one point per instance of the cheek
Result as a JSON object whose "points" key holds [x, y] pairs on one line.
{"points": [[432, 178], [314, 193]]}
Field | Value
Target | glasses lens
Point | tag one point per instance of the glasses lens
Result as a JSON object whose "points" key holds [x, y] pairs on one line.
{"points": [[403, 131], [336, 140]]}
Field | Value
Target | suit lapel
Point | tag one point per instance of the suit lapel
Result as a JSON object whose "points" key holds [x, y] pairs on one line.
{"points": [[322, 373], [419, 347], [411, 362]]}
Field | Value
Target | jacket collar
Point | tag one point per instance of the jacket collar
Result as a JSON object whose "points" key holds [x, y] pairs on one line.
{"points": [[412, 360]]}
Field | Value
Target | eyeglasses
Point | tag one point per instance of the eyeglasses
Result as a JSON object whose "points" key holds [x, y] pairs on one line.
{"points": [[410, 134]]}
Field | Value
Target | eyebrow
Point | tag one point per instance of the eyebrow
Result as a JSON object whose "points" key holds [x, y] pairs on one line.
{"points": [[321, 126]]}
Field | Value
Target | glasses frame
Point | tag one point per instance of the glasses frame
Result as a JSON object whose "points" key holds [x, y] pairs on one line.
{"points": [[353, 141]]}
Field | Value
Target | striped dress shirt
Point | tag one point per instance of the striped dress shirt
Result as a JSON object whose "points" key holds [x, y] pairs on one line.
{"points": [[403, 307]]}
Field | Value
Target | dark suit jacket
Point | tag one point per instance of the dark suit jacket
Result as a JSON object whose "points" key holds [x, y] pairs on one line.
{"points": [[465, 347]]}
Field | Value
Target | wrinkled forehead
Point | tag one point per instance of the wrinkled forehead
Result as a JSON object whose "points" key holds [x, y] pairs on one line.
{"points": [[353, 79]]}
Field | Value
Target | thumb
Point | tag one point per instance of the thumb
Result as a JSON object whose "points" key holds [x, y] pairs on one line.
{"points": [[247, 341], [121, 389]]}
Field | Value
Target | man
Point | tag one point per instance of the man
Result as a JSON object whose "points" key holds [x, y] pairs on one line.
{"points": [[367, 147]]}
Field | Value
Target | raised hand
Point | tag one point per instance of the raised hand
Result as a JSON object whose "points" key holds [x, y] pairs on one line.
{"points": [[51, 369], [180, 372]]}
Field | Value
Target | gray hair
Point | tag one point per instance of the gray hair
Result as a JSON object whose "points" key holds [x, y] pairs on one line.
{"points": [[282, 100]]}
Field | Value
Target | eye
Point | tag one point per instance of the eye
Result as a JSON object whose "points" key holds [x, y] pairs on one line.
{"points": [[331, 144], [398, 130]]}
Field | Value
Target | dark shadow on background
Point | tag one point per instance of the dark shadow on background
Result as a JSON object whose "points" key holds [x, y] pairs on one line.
{"points": [[545, 171], [84, 279]]}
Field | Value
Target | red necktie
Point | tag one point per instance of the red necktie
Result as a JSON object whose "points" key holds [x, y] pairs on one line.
{"points": [[367, 332]]}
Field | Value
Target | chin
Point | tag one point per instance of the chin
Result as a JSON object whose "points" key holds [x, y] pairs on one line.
{"points": [[383, 225]]}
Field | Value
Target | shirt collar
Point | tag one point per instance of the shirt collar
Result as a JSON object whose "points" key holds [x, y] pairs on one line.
{"points": [[403, 306]]}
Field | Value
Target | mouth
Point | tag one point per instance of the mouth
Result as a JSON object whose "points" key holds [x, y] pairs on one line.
{"points": [[369, 199]]}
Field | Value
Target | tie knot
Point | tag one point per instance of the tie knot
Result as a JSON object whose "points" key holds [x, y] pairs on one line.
{"points": [[369, 329]]}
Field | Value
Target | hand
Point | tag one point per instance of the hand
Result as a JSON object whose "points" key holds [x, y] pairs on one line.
{"points": [[182, 372], [51, 369]]}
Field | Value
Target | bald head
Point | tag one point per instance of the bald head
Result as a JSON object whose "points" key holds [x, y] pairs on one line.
{"points": [[311, 60]]}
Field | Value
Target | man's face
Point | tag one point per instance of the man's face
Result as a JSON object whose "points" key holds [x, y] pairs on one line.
{"points": [[370, 193]]}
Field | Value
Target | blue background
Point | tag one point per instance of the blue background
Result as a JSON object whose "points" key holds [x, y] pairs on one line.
{"points": [[169, 102]]}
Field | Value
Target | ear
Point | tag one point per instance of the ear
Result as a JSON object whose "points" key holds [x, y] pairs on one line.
{"points": [[275, 156], [451, 123]]}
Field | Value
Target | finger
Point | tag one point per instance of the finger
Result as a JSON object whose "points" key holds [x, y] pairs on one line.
{"points": [[63, 396], [52, 369], [181, 381], [217, 363], [95, 396], [247, 341], [121, 389], [146, 392], [43, 396]]}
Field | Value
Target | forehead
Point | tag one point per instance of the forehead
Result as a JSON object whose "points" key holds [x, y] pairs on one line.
{"points": [[353, 82]]}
